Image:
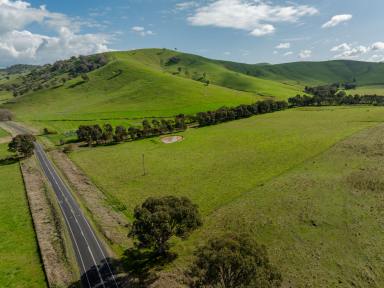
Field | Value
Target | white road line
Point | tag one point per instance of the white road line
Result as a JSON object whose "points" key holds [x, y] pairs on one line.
{"points": [[94, 237], [50, 168], [74, 240], [78, 224]]}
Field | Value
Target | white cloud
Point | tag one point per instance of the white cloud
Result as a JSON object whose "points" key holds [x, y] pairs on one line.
{"points": [[346, 50], [186, 5], [377, 46], [141, 31], [336, 20], [252, 16], [304, 54], [263, 29], [283, 46], [288, 53], [26, 47], [20, 45], [341, 47], [373, 52]]}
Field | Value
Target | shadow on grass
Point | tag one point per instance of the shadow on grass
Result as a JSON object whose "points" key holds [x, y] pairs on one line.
{"points": [[9, 160], [136, 269], [142, 265], [76, 84]]}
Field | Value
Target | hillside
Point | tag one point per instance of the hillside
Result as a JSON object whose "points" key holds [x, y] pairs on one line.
{"points": [[149, 83], [314, 73], [138, 84]]}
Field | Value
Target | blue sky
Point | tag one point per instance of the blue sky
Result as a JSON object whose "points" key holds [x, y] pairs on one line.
{"points": [[252, 31]]}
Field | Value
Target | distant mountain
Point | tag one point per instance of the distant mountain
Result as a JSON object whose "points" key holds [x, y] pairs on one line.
{"points": [[310, 73]]}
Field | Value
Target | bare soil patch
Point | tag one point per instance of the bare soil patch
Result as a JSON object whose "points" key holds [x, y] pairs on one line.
{"points": [[172, 139], [112, 224], [5, 139], [48, 226]]}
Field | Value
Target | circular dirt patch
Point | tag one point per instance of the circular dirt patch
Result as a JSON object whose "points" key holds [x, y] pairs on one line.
{"points": [[172, 139]]}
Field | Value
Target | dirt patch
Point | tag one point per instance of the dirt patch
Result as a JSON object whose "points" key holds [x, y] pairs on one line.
{"points": [[110, 223], [171, 139], [48, 227], [5, 139]]}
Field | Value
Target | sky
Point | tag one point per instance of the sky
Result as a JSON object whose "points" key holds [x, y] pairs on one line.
{"points": [[250, 31]]}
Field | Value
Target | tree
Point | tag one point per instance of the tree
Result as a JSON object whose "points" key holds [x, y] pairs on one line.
{"points": [[147, 129], [85, 77], [108, 133], [5, 115], [233, 261], [158, 219], [120, 134], [22, 145]]}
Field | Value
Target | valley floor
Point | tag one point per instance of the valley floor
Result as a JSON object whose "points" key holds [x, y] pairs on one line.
{"points": [[312, 202]]}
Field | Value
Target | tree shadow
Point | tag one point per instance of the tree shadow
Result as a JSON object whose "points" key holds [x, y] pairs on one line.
{"points": [[76, 84], [141, 266], [136, 269], [9, 160], [91, 278]]}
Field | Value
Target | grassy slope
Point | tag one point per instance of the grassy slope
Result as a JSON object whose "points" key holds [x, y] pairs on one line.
{"points": [[3, 133], [20, 264], [140, 91], [314, 73], [322, 220], [227, 170], [145, 89], [215, 72], [368, 90]]}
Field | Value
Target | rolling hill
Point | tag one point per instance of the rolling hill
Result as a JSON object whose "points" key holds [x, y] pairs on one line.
{"points": [[162, 83], [315, 73]]}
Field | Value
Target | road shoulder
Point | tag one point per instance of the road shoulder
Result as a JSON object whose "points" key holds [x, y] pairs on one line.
{"points": [[50, 231]]}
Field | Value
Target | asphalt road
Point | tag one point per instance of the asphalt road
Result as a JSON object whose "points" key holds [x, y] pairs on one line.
{"points": [[91, 255]]}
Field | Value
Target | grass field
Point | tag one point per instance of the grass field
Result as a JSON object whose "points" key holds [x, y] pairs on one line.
{"points": [[368, 90], [20, 265], [3, 133], [229, 171]]}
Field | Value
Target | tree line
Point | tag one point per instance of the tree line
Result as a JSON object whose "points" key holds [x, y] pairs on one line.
{"points": [[226, 114], [333, 96], [95, 134]]}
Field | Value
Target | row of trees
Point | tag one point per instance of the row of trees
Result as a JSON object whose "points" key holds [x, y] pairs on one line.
{"points": [[232, 260], [94, 134], [336, 99], [334, 88], [225, 114]]}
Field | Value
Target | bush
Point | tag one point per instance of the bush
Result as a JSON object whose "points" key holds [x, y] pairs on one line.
{"points": [[5, 115], [233, 261]]}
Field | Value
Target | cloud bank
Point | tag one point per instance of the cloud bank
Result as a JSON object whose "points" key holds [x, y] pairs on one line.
{"points": [[20, 45]]}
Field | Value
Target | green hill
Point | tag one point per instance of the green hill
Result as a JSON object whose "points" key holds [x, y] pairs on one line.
{"points": [[313, 73], [138, 84], [161, 83]]}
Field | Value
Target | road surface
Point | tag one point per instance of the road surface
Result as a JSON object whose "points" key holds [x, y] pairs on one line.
{"points": [[90, 253]]}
